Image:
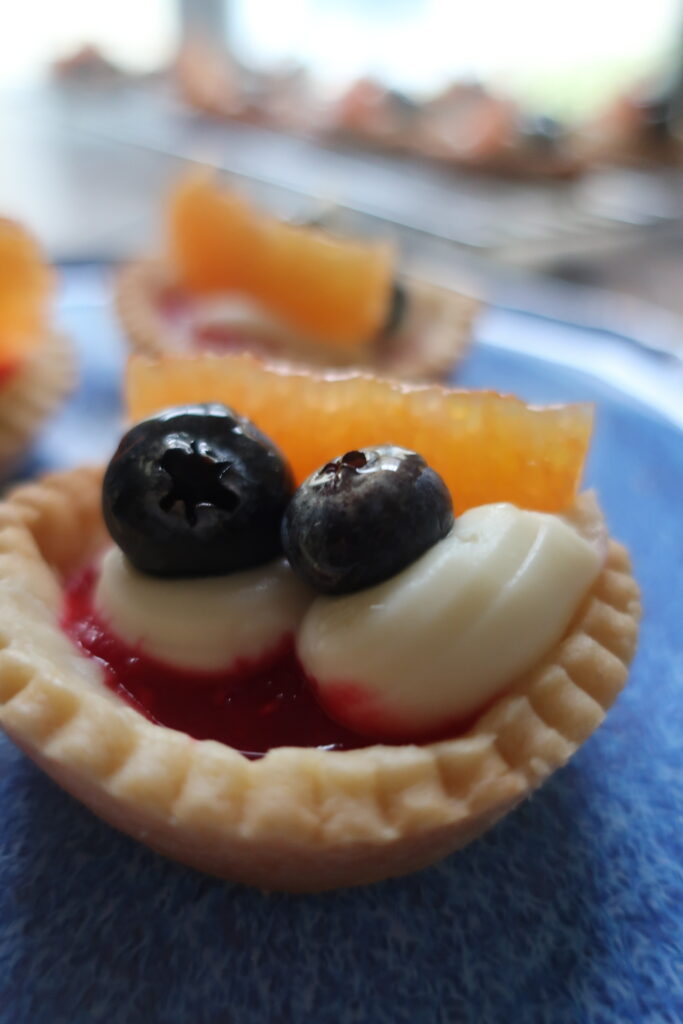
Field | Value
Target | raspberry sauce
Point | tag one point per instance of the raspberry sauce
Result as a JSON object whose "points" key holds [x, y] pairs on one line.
{"points": [[222, 338], [8, 371], [212, 336], [252, 708]]}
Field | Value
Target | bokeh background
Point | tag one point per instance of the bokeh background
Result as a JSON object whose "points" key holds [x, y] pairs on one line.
{"points": [[99, 109]]}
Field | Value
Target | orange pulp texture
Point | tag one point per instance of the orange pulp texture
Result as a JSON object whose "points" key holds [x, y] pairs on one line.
{"points": [[488, 447], [335, 290], [25, 286]]}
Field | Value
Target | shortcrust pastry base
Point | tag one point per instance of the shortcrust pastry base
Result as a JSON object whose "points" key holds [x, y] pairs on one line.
{"points": [[434, 337], [33, 394], [298, 819]]}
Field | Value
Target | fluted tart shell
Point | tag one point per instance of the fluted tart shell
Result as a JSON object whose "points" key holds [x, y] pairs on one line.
{"points": [[298, 819]]}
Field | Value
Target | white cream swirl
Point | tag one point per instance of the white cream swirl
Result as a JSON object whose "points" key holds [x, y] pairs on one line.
{"points": [[439, 640], [206, 624]]}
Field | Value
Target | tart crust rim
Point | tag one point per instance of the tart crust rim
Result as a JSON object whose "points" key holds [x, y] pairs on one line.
{"points": [[298, 819], [137, 284], [44, 378]]}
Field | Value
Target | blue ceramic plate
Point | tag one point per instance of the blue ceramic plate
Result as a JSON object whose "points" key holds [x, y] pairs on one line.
{"points": [[570, 910]]}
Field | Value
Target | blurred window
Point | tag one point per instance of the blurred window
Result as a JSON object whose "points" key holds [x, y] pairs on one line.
{"points": [[564, 56], [138, 35]]}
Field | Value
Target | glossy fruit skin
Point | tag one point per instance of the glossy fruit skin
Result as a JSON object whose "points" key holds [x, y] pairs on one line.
{"points": [[397, 311], [363, 517], [196, 491]]}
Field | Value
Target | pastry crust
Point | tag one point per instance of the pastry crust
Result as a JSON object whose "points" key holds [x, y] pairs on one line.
{"points": [[433, 338], [297, 819], [32, 394]]}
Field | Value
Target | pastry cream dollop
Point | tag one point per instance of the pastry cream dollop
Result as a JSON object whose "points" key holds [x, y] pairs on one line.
{"points": [[423, 650], [205, 624], [439, 640]]}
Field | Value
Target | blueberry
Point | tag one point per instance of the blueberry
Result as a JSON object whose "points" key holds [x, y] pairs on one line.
{"points": [[196, 491], [363, 517], [396, 313]]}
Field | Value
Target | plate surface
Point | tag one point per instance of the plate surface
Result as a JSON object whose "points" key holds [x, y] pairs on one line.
{"points": [[570, 910]]}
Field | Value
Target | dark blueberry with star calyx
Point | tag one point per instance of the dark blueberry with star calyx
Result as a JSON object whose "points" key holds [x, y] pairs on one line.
{"points": [[363, 517], [196, 490]]}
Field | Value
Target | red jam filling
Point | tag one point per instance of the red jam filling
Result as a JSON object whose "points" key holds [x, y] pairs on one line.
{"points": [[252, 708], [8, 371], [218, 337], [176, 305]]}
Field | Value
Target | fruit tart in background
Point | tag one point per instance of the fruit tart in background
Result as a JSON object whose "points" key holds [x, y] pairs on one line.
{"points": [[210, 81], [234, 278], [464, 126], [371, 114], [640, 127], [474, 128], [36, 364], [322, 686]]}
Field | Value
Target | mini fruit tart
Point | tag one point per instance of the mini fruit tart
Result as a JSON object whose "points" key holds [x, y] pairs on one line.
{"points": [[311, 688], [638, 128], [469, 127], [36, 365], [234, 279], [368, 113]]}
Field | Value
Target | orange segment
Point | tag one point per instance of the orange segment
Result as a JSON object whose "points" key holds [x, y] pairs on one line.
{"points": [[488, 447], [214, 237], [25, 286], [333, 289]]}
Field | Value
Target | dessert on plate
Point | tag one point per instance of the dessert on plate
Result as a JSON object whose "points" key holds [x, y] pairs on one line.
{"points": [[210, 81], [464, 126], [235, 279], [474, 128], [640, 127], [213, 82], [304, 687], [36, 363], [86, 64], [369, 113]]}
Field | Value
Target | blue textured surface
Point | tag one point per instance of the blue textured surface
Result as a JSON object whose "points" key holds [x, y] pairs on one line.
{"points": [[570, 910]]}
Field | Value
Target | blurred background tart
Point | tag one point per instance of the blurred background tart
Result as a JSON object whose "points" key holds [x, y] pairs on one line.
{"points": [[235, 279], [36, 363]]}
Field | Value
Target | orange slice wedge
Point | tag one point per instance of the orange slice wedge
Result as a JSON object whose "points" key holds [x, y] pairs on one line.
{"points": [[488, 447], [25, 286], [333, 289]]}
